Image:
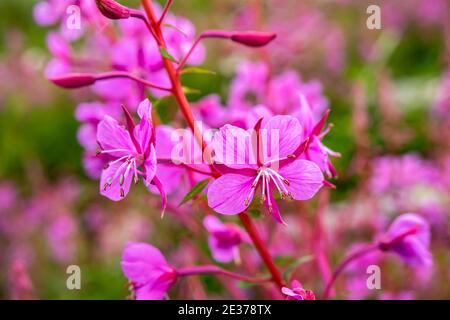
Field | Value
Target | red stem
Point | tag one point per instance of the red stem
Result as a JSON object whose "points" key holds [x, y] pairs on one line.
{"points": [[262, 250], [177, 91]]}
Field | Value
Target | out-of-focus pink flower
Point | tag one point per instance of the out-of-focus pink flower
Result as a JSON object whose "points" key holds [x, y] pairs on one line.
{"points": [[148, 271], [398, 173], [409, 237], [276, 167], [223, 239], [8, 196], [297, 292], [132, 149], [61, 238], [211, 111]]}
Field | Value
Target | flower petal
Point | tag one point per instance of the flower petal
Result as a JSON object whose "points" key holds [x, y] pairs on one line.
{"points": [[111, 135], [281, 136], [110, 181], [305, 178], [142, 262], [233, 147], [228, 193]]}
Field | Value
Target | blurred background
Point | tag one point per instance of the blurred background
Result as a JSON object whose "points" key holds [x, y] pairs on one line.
{"points": [[389, 92]]}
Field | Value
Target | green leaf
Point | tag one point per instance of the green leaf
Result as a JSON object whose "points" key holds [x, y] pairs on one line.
{"points": [[197, 70], [194, 191], [171, 26], [188, 90], [167, 55]]}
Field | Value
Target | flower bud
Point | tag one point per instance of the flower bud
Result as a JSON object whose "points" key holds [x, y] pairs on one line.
{"points": [[74, 80], [113, 10], [253, 38]]}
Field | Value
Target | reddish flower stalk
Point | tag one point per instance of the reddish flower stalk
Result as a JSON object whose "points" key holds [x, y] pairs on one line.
{"points": [[262, 250], [320, 241], [177, 88], [78, 80], [250, 38], [212, 269], [177, 91]]}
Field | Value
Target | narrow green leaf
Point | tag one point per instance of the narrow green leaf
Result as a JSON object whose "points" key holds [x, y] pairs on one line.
{"points": [[167, 55], [197, 70], [188, 90], [194, 191], [171, 26]]}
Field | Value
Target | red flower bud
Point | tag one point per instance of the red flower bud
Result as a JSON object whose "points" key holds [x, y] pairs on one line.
{"points": [[74, 80], [253, 38], [113, 10]]}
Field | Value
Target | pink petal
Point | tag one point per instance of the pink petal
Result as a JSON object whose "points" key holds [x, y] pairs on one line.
{"points": [[410, 220], [145, 110], [140, 262], [150, 166], [44, 14], [111, 135], [113, 190], [281, 136], [213, 224], [220, 254], [228, 193], [233, 147], [305, 178], [274, 211], [157, 183]]}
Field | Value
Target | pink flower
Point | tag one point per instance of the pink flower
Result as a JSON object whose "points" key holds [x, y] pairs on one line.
{"points": [[409, 237], [297, 292], [275, 168], [223, 239], [148, 271], [132, 148]]}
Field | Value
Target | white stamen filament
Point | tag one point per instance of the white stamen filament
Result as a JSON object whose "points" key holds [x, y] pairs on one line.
{"points": [[117, 160], [113, 150], [267, 175], [280, 183]]}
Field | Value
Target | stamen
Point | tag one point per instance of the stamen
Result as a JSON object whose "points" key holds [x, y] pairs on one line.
{"points": [[122, 193], [119, 170], [121, 180], [263, 193], [111, 150], [254, 185], [255, 182], [118, 160], [268, 195], [277, 181], [281, 179], [289, 156], [136, 177]]}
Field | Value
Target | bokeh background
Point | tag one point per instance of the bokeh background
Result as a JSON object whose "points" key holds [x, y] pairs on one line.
{"points": [[389, 92]]}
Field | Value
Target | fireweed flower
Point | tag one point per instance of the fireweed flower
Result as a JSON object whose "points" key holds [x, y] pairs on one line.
{"points": [[292, 177], [297, 292], [224, 239], [148, 271], [409, 237], [132, 149]]}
